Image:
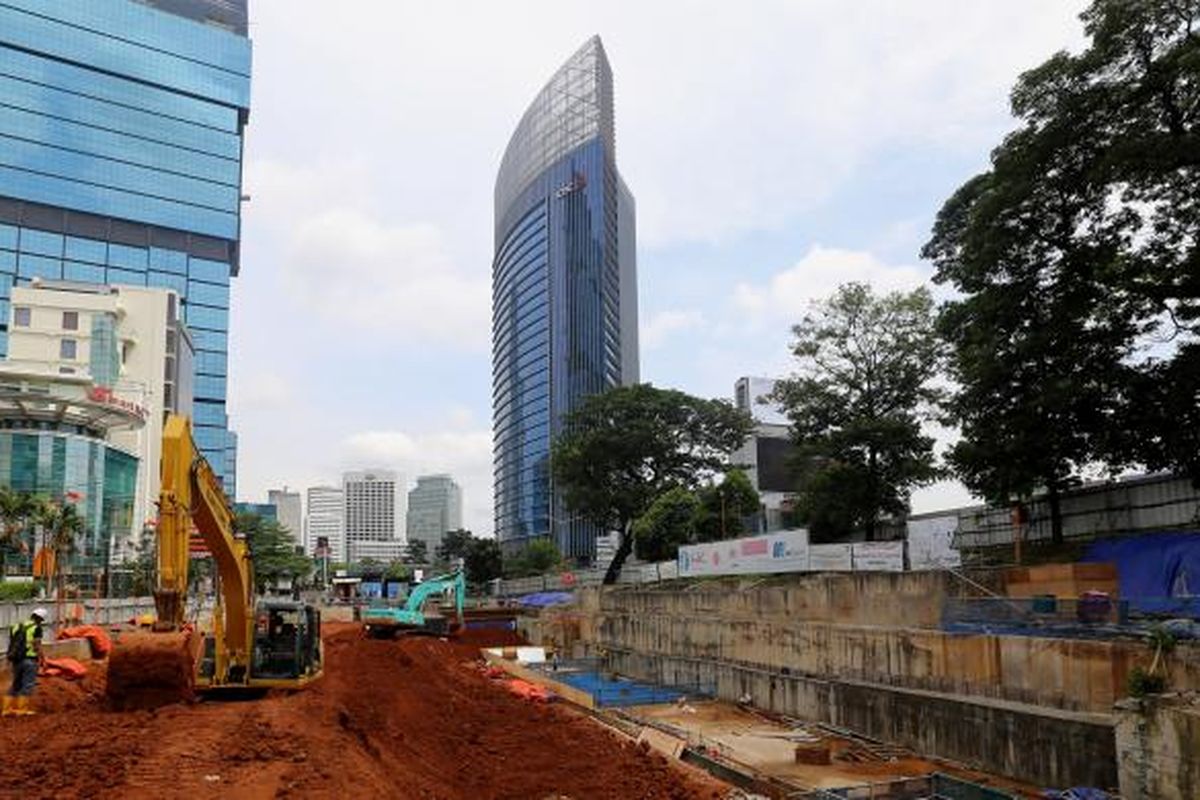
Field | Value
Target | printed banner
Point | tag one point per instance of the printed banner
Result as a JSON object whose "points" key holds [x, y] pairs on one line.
{"points": [[830, 558], [785, 551], [931, 543], [878, 556]]}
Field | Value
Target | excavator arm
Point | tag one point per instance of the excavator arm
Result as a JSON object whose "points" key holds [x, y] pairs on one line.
{"points": [[191, 495]]}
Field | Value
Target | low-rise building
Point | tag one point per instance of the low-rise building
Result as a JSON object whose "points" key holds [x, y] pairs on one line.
{"points": [[128, 346]]}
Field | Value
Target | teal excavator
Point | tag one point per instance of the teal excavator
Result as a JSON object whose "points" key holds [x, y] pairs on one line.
{"points": [[384, 621]]}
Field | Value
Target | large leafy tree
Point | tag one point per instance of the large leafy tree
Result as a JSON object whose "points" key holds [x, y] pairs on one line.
{"points": [[725, 507], [863, 389], [1076, 263], [272, 550], [669, 522], [622, 449], [483, 561]]}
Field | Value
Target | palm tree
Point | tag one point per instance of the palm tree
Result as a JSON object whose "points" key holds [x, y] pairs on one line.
{"points": [[17, 511], [61, 524]]}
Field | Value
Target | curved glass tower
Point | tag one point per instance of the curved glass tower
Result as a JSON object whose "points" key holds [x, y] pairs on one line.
{"points": [[564, 291]]}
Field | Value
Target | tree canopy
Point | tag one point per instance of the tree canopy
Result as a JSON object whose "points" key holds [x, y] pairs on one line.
{"points": [[272, 550], [863, 390], [622, 449], [1076, 259]]}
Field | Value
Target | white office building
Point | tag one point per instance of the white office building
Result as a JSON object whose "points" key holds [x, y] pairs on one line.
{"points": [[128, 345], [434, 507], [325, 523], [374, 502], [289, 510], [767, 453]]}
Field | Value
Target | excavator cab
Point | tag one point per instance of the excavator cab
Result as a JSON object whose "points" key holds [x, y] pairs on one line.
{"points": [[286, 641]]}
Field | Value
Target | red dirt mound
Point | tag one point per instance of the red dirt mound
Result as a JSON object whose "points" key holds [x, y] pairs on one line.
{"points": [[412, 718]]}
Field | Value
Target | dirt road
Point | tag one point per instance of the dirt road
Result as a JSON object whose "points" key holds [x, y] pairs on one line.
{"points": [[409, 719]]}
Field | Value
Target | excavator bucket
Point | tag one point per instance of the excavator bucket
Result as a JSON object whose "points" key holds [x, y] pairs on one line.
{"points": [[148, 670]]}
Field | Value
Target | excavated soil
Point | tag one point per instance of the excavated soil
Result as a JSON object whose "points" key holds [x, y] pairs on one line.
{"points": [[413, 718]]}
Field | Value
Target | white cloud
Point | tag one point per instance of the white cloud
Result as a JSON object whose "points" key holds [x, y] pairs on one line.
{"points": [[660, 325], [357, 271], [466, 455], [817, 275]]}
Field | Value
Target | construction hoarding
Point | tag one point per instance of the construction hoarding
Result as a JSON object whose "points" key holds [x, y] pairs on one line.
{"points": [[785, 551]]}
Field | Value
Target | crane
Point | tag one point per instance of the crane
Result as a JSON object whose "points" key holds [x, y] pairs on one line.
{"points": [[381, 621], [249, 643]]}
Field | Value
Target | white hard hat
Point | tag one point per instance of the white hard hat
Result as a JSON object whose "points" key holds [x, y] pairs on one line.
{"points": [[41, 614]]}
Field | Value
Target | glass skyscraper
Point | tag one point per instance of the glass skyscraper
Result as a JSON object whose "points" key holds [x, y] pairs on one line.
{"points": [[564, 292], [121, 162]]}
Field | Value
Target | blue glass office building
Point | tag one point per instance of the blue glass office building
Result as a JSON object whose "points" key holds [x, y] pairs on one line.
{"points": [[121, 162], [564, 292]]}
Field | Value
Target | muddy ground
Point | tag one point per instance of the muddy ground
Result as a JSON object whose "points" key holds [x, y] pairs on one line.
{"points": [[414, 718]]}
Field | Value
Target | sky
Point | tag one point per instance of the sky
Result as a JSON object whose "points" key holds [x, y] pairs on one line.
{"points": [[775, 150]]}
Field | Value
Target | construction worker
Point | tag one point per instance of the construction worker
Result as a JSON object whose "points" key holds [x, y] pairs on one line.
{"points": [[24, 655]]}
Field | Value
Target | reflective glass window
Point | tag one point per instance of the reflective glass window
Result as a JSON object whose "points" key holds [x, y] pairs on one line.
{"points": [[216, 319], [209, 340], [167, 281], [202, 269], [8, 237], [39, 267], [165, 260], [126, 257], [210, 362], [208, 294], [83, 273], [42, 243], [125, 277], [90, 250], [210, 386], [209, 413]]}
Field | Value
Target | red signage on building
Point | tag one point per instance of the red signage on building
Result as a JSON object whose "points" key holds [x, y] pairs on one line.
{"points": [[103, 394]]}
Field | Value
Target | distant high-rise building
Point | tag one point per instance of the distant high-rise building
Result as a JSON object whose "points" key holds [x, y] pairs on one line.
{"points": [[121, 141], [325, 524], [564, 297], [434, 507], [289, 511], [374, 506]]}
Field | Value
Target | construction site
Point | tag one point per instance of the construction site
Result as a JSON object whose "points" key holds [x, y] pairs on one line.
{"points": [[909, 684]]}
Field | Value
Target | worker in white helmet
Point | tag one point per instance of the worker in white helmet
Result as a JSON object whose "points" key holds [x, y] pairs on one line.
{"points": [[24, 655]]}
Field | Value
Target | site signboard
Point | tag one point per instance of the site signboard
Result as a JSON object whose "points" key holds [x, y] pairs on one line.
{"points": [[830, 558], [878, 556], [784, 551], [931, 543]]}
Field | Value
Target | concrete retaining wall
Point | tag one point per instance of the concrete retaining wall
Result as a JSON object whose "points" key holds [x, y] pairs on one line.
{"points": [[1158, 743], [1051, 748]]}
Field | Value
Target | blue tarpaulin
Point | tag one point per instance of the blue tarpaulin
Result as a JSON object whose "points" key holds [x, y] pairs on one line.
{"points": [[540, 599], [1157, 572]]}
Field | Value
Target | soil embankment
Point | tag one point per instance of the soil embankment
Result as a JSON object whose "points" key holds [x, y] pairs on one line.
{"points": [[414, 718]]}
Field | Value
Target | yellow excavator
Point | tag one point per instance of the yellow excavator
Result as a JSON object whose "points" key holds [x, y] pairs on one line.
{"points": [[250, 643]]}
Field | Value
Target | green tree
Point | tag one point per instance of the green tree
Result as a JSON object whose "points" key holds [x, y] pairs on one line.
{"points": [[724, 507], [397, 570], [536, 558], [857, 405], [454, 546], [1076, 263], [418, 551], [622, 449], [61, 525], [272, 550], [669, 522], [483, 561], [17, 512]]}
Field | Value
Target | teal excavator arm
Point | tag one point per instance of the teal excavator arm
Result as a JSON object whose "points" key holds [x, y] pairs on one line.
{"points": [[412, 614]]}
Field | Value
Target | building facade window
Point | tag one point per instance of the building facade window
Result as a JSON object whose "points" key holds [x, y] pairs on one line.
{"points": [[67, 349], [70, 320], [22, 316]]}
